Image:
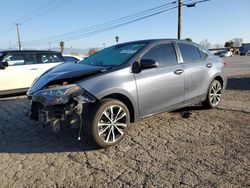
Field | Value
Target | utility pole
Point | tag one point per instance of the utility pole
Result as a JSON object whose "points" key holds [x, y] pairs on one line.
{"points": [[18, 36], [49, 46], [179, 18], [61, 46], [117, 39]]}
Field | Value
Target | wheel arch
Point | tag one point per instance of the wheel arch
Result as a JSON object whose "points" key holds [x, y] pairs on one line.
{"points": [[126, 101], [215, 77], [220, 79]]}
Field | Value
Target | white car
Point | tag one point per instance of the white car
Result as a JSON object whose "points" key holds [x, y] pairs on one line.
{"points": [[72, 58], [224, 53], [18, 69]]}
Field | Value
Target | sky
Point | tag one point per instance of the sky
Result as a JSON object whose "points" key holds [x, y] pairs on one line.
{"points": [[216, 20]]}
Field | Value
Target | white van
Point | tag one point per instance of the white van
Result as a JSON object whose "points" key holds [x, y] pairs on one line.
{"points": [[18, 69]]}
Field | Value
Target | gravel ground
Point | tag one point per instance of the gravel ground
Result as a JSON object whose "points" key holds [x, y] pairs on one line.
{"points": [[210, 148]]}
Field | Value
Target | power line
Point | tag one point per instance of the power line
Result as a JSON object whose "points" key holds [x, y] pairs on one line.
{"points": [[107, 25], [104, 29], [36, 13], [75, 35], [45, 11], [6, 29], [29, 15], [132, 16], [187, 4]]}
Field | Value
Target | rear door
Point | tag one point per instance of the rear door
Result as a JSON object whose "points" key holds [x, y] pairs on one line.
{"points": [[20, 73], [47, 60], [197, 75], [162, 88]]}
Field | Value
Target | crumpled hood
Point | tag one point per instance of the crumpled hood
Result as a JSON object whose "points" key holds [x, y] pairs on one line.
{"points": [[63, 71]]}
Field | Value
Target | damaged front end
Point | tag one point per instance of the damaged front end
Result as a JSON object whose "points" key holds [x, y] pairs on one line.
{"points": [[60, 105]]}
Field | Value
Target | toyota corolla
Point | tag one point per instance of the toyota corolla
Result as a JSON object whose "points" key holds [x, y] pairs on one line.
{"points": [[125, 83]]}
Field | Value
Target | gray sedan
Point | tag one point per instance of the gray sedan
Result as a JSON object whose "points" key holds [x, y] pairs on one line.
{"points": [[124, 83]]}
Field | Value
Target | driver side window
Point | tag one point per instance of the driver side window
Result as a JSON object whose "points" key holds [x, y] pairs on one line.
{"points": [[16, 59], [163, 54]]}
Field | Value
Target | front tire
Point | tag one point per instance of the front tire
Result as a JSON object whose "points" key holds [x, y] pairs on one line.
{"points": [[214, 95], [108, 122]]}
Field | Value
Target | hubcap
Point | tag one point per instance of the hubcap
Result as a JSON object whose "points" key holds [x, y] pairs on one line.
{"points": [[215, 94], [112, 124]]}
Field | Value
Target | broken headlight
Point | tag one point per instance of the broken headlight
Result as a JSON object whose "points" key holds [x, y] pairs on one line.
{"points": [[60, 95], [60, 91]]}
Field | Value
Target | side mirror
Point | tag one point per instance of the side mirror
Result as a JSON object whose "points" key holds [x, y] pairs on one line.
{"points": [[148, 64], [137, 67]]}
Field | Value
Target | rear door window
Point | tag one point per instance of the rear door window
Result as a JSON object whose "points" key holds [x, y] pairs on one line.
{"points": [[164, 54], [50, 58], [70, 59], [190, 53]]}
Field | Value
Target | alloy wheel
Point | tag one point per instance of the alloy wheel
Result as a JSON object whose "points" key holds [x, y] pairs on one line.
{"points": [[215, 93], [112, 124]]}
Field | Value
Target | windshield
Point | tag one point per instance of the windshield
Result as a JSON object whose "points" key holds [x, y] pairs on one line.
{"points": [[114, 56]]}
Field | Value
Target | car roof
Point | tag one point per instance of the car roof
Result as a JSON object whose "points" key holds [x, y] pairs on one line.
{"points": [[36, 51], [159, 40], [148, 41]]}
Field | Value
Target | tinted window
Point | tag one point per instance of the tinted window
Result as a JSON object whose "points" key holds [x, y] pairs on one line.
{"points": [[70, 59], [15, 59], [164, 54], [203, 54], [50, 58], [114, 55], [189, 52], [29, 59]]}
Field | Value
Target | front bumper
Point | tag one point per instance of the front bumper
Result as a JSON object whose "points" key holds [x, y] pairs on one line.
{"points": [[69, 113]]}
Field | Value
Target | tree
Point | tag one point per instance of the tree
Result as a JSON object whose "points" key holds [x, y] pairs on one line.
{"points": [[189, 39], [229, 44], [205, 43], [92, 51], [218, 45], [237, 42]]}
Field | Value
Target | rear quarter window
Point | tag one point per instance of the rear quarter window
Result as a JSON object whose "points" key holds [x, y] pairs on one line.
{"points": [[50, 58], [203, 54], [190, 53]]}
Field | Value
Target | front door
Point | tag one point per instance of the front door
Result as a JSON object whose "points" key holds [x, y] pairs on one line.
{"points": [[20, 73], [162, 88]]}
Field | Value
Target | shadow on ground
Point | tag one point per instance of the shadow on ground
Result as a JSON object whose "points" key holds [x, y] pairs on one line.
{"points": [[238, 83], [26, 136], [20, 135]]}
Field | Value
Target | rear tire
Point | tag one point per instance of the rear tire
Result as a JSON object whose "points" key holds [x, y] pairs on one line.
{"points": [[213, 95], [107, 122]]}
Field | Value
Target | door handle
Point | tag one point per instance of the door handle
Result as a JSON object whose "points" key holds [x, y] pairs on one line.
{"points": [[34, 69], [179, 71], [209, 65]]}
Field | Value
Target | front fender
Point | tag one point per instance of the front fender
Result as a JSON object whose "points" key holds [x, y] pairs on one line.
{"points": [[132, 98]]}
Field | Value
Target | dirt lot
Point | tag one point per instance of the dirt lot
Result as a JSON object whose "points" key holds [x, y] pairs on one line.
{"points": [[209, 149]]}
